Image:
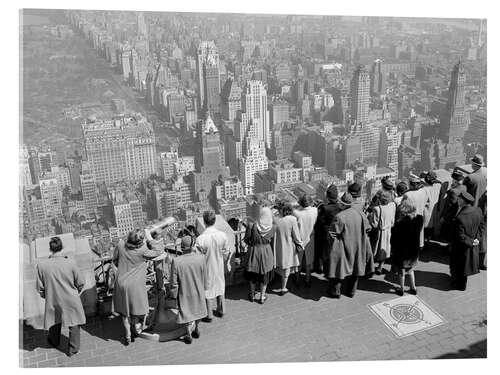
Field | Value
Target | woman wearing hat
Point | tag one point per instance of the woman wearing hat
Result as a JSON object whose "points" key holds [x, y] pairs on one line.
{"points": [[381, 219], [401, 189], [259, 237], [130, 297], [405, 243]]}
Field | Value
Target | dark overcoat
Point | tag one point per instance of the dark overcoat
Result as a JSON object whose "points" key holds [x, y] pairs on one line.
{"points": [[59, 282], [324, 222], [467, 226], [188, 281], [350, 250], [476, 184]]}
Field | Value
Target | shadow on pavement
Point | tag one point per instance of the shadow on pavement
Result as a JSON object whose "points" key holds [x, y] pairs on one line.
{"points": [[434, 280], [106, 328], [317, 289], [377, 286], [32, 339], [477, 350], [434, 253]]}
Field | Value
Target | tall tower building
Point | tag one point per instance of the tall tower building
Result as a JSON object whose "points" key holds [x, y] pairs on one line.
{"points": [[51, 197], [89, 188], [24, 167], [120, 149], [390, 140], [230, 100], [360, 96], [453, 119], [376, 78], [209, 155], [254, 161], [254, 103], [207, 66]]}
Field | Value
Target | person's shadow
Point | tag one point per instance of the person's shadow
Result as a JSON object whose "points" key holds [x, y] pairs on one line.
{"points": [[375, 285], [108, 328], [32, 338], [314, 292]]}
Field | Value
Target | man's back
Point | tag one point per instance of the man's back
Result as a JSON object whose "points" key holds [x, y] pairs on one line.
{"points": [[476, 184]]}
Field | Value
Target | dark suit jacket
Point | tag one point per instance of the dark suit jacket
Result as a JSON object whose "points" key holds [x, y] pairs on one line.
{"points": [[476, 184], [468, 225]]}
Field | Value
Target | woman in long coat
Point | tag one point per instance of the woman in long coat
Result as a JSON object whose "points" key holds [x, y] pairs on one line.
{"points": [[130, 297], [381, 219], [405, 242], [306, 218], [287, 240], [259, 237]]}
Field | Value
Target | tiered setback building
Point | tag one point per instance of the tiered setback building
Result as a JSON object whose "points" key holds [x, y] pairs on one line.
{"points": [[120, 149]]}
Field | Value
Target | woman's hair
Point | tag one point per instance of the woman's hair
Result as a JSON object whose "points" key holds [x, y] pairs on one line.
{"points": [[305, 200], [407, 207], [209, 218], [286, 209], [135, 237], [55, 244]]}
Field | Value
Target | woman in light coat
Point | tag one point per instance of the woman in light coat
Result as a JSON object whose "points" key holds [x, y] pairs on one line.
{"points": [[306, 219], [130, 297], [287, 240], [382, 219]]}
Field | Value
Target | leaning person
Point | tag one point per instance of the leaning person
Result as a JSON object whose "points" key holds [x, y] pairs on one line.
{"points": [[60, 283], [188, 281], [213, 243], [130, 297]]}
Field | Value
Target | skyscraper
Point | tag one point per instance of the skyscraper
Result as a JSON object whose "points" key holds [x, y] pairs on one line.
{"points": [[453, 119], [120, 149], [254, 161], [51, 197], [254, 103], [360, 96], [376, 78], [208, 76], [230, 100], [89, 188], [209, 155]]}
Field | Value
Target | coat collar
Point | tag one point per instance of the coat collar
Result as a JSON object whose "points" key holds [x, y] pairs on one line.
{"points": [[59, 254]]}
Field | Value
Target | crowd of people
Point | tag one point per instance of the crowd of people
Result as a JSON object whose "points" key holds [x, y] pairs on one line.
{"points": [[343, 238]]}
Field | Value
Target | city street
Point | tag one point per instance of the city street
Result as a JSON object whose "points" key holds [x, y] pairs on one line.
{"points": [[301, 326]]}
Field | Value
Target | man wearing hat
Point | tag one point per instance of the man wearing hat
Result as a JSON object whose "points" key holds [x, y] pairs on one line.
{"points": [[358, 202], [466, 233], [350, 251], [450, 204], [421, 198], [188, 281], [476, 181], [326, 214], [433, 190]]}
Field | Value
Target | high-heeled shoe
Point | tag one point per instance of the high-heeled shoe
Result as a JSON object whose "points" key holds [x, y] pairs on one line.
{"points": [[262, 300], [400, 292], [251, 297]]}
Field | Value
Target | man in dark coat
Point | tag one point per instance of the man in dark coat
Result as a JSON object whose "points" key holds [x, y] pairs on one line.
{"points": [[450, 204], [467, 232], [326, 214], [476, 182], [188, 281], [358, 202], [59, 282], [350, 251], [483, 242]]}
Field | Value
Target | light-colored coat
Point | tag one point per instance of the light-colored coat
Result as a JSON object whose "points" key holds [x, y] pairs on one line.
{"points": [[59, 282], [287, 237], [188, 281], [421, 200], [382, 218], [306, 218], [213, 243], [433, 191]]}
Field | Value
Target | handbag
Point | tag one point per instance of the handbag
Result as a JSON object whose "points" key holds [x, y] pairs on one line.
{"points": [[375, 234]]}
